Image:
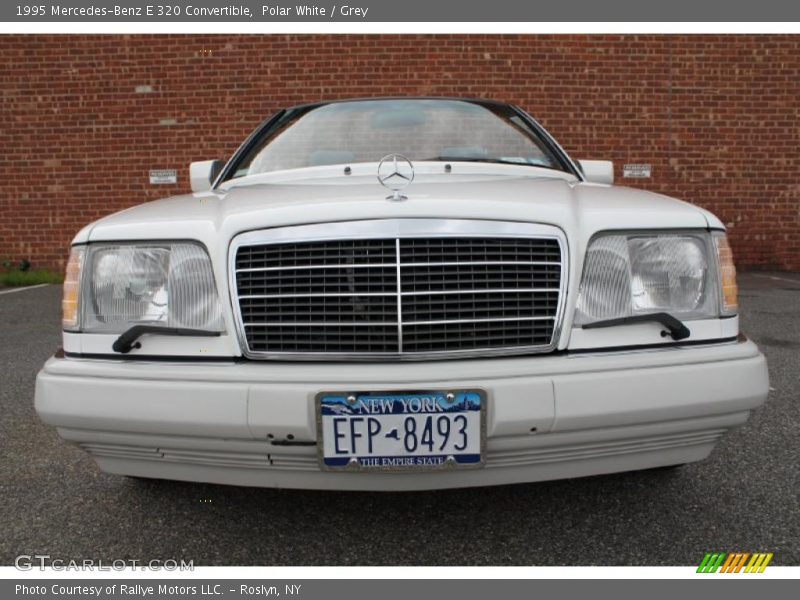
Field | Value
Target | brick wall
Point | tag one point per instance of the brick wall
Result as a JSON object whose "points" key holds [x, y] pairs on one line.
{"points": [[84, 118]]}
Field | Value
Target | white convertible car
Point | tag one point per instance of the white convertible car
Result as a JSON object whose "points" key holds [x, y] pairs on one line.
{"points": [[400, 294]]}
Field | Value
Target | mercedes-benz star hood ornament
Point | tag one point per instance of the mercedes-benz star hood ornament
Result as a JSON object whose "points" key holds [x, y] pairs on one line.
{"points": [[395, 172]]}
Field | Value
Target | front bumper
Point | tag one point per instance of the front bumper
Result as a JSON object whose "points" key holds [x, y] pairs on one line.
{"points": [[549, 417]]}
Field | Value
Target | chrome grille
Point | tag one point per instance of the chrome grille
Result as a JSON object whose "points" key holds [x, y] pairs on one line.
{"points": [[399, 296]]}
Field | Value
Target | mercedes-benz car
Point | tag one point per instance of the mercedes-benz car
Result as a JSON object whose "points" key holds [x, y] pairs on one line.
{"points": [[400, 294]]}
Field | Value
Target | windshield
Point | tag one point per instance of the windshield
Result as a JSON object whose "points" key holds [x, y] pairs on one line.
{"points": [[420, 129]]}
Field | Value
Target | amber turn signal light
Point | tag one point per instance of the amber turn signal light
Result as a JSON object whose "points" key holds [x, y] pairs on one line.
{"points": [[727, 275], [72, 285]]}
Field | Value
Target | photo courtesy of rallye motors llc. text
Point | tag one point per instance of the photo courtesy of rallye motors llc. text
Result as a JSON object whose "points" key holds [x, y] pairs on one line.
{"points": [[145, 591]]}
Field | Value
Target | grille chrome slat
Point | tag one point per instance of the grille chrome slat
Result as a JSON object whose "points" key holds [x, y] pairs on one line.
{"points": [[480, 291], [438, 263], [404, 265], [324, 324], [399, 279], [334, 266], [408, 295], [429, 293], [388, 323], [489, 320], [331, 295]]}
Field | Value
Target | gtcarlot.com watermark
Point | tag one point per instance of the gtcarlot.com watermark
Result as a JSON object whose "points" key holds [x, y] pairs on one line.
{"points": [[28, 562]]}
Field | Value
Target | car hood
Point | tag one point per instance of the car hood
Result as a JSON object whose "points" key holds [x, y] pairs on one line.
{"points": [[580, 209]]}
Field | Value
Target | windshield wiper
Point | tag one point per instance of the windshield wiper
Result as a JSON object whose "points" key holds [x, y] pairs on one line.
{"points": [[128, 340], [496, 161], [675, 328]]}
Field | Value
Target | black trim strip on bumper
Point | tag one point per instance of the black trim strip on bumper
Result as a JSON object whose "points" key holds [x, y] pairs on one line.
{"points": [[740, 338], [60, 353]]}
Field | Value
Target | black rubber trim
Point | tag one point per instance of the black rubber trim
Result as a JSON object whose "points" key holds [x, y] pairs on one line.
{"points": [[129, 340], [676, 329], [741, 338], [262, 129], [550, 142], [654, 346], [154, 358]]}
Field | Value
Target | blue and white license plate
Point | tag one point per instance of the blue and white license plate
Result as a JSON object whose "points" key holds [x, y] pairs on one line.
{"points": [[401, 431]]}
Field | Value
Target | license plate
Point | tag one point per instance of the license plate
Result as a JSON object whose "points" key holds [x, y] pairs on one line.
{"points": [[401, 431]]}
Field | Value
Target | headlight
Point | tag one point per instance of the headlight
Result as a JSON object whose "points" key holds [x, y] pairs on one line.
{"points": [[169, 284], [634, 274]]}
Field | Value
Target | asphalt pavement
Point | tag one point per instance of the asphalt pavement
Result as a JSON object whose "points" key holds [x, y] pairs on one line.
{"points": [[745, 497]]}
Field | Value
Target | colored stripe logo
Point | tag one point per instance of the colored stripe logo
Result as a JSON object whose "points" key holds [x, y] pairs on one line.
{"points": [[734, 562]]}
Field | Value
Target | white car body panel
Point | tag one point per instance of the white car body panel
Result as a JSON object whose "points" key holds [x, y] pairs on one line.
{"points": [[580, 210], [611, 399], [550, 416]]}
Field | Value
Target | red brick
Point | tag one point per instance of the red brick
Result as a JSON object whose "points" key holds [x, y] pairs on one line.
{"points": [[716, 115]]}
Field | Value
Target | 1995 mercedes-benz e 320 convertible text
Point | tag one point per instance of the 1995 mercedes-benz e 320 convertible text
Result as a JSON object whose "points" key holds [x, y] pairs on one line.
{"points": [[400, 294]]}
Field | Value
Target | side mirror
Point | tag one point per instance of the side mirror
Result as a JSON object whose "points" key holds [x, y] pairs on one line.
{"points": [[597, 171], [203, 173]]}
